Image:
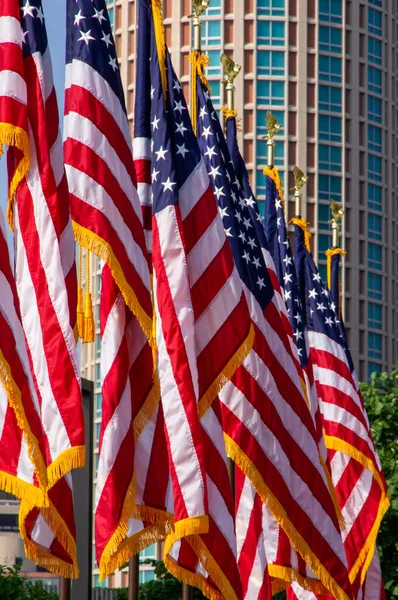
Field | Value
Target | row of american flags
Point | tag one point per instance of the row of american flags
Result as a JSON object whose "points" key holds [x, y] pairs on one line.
{"points": [[217, 340]]}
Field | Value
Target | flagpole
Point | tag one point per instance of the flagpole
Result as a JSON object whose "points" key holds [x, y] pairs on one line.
{"points": [[199, 7], [334, 286], [134, 574]]}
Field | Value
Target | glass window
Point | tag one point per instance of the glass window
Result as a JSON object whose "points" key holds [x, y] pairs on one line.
{"points": [[146, 575], [111, 13], [329, 188], [374, 345], [374, 315], [330, 11], [374, 167], [373, 368], [149, 552], [97, 433], [99, 283], [215, 87], [329, 128], [322, 268], [374, 138], [329, 39], [271, 33], [98, 398], [271, 93], [374, 226], [214, 67], [270, 62], [262, 123], [374, 256], [98, 345], [262, 153], [375, 2], [329, 158], [98, 372], [323, 216], [271, 8], [375, 51], [374, 109], [374, 197], [211, 33], [324, 242], [374, 286], [374, 21], [374, 80], [97, 583], [329, 98], [214, 8], [330, 69]]}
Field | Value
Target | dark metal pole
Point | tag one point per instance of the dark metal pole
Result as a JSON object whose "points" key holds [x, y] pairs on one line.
{"points": [[134, 570], [64, 588], [186, 592]]}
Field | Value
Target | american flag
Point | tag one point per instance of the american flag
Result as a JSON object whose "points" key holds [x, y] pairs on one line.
{"points": [[105, 206], [355, 466], [44, 271], [264, 400], [203, 325]]}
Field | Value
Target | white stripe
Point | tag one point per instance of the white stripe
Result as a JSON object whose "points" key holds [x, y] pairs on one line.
{"points": [[114, 434], [213, 428], [25, 469], [57, 159], [329, 377], [355, 501], [82, 75], [257, 575], [336, 414], [53, 424], [338, 465], [3, 408], [148, 240], [134, 527], [144, 193], [205, 250], [220, 514], [10, 31], [373, 582], [320, 341], [142, 457], [67, 249], [41, 533], [193, 189], [13, 85], [44, 72], [271, 531], [243, 512], [142, 148], [273, 449], [218, 311], [113, 335], [89, 191], [84, 131]]}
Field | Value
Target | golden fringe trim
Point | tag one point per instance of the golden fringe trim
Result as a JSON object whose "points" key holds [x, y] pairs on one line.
{"points": [[303, 224], [72, 458], [43, 556], [199, 62], [80, 313], [160, 41], [15, 401], [102, 249], [329, 254], [278, 585], [273, 173], [88, 322], [367, 550], [289, 575], [22, 490], [207, 399], [333, 493], [246, 465], [232, 112], [184, 528], [11, 135], [197, 580], [305, 392], [147, 410]]}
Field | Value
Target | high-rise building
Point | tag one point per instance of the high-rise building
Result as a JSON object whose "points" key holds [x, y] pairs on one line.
{"points": [[327, 69]]}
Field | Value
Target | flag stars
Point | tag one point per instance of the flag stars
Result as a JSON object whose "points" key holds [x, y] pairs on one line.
{"points": [[250, 201], [242, 236], [85, 36], [228, 232], [203, 112], [160, 154], [298, 318], [313, 293], [182, 150], [154, 175], [287, 278], [223, 211], [287, 295], [332, 307], [320, 306], [246, 257], [27, 9], [316, 277], [256, 262], [78, 17], [238, 216], [179, 107], [206, 132], [106, 39], [288, 261], [177, 86], [155, 123], [214, 172], [252, 243], [99, 14], [298, 335], [219, 191], [260, 283], [152, 92], [329, 321], [168, 184], [180, 128], [246, 223], [278, 203], [112, 63], [40, 15], [210, 152], [236, 183]]}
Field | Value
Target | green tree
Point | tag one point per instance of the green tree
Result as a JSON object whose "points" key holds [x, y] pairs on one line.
{"points": [[15, 587], [381, 401]]}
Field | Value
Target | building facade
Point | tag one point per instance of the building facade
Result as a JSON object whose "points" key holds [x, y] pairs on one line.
{"points": [[327, 69]]}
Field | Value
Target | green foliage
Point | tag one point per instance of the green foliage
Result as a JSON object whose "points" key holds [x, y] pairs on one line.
{"points": [[381, 401], [15, 587], [36, 591]]}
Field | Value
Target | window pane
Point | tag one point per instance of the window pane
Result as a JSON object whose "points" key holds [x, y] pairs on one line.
{"points": [[374, 345], [329, 187], [330, 11], [329, 39], [271, 62], [374, 80], [330, 69], [374, 138], [374, 315], [374, 109], [374, 286], [374, 197], [374, 226], [329, 128], [271, 8], [329, 98], [374, 256]]}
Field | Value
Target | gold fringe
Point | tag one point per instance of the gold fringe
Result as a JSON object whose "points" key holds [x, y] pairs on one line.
{"points": [[366, 552], [11, 135], [15, 401], [278, 585], [147, 410], [246, 465], [273, 173], [184, 528], [329, 254], [42, 556], [88, 329], [72, 458], [21, 489], [237, 359], [199, 62], [303, 224], [289, 575], [232, 112], [102, 249], [305, 392], [80, 313], [333, 493], [160, 41]]}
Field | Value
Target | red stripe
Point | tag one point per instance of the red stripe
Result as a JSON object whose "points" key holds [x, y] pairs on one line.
{"points": [[14, 112], [10, 8], [143, 170], [11, 58], [158, 472], [200, 218], [10, 443], [249, 549]]}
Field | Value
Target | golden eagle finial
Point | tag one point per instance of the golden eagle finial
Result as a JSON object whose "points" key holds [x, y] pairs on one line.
{"points": [[231, 68], [199, 7], [337, 212], [272, 125], [299, 179]]}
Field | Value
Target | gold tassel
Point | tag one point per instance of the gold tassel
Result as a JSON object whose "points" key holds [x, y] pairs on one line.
{"points": [[303, 224], [80, 312], [273, 173], [160, 41], [88, 321], [329, 254], [199, 62]]}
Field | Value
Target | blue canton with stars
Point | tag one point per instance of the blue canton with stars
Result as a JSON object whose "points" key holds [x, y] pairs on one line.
{"points": [[34, 28], [240, 216], [321, 311], [279, 245], [89, 39], [175, 151]]}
